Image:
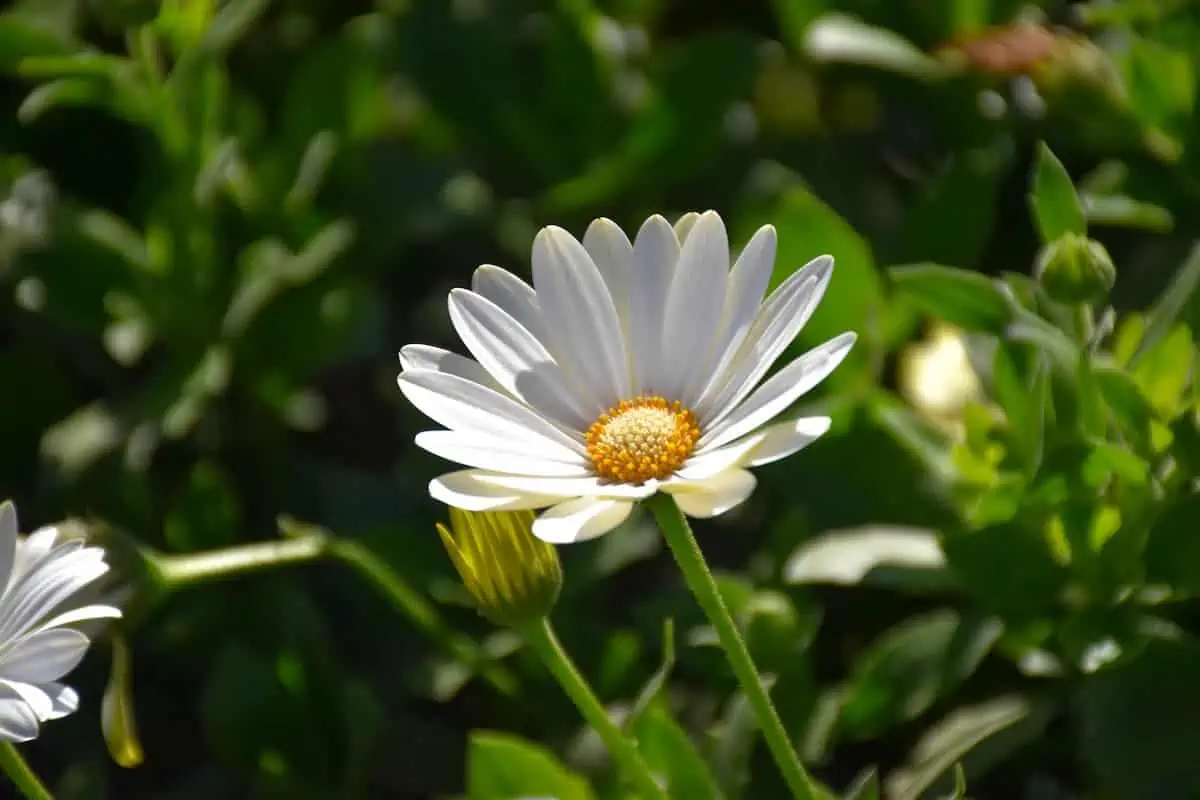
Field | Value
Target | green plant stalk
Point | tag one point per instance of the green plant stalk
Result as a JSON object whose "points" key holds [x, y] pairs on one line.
{"points": [[413, 605], [172, 572], [540, 637], [699, 578], [24, 778], [177, 571]]}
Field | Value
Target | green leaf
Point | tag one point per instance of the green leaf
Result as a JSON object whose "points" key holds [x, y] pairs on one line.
{"points": [[732, 745], [1164, 372], [979, 736], [966, 299], [841, 38], [1126, 401], [658, 681], [1122, 211], [911, 666], [1171, 304], [1056, 207], [24, 36], [63, 92], [671, 754], [1138, 723], [865, 787], [873, 554], [501, 766]]}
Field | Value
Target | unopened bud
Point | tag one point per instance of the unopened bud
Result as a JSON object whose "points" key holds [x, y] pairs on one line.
{"points": [[1075, 269], [513, 577]]}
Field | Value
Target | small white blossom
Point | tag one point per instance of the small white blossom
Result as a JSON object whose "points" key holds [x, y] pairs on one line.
{"points": [[39, 643]]}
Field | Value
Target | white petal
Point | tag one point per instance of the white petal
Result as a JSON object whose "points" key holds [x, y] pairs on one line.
{"points": [[655, 253], [684, 225], [86, 613], [464, 490], [583, 330], [64, 700], [780, 391], [38, 701], [590, 486], [18, 723], [784, 438], [43, 656], [706, 464], [515, 358], [580, 519], [778, 322], [36, 549], [47, 588], [44, 588], [8, 541], [747, 284], [462, 405], [423, 356], [501, 455], [714, 496], [612, 253], [694, 304], [512, 294]]}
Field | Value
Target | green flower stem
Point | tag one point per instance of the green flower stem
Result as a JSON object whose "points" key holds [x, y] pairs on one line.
{"points": [[413, 605], [303, 543], [177, 571], [699, 579], [24, 778], [541, 638]]}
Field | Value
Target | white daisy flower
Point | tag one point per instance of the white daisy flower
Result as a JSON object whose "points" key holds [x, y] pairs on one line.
{"points": [[625, 370], [39, 575]]}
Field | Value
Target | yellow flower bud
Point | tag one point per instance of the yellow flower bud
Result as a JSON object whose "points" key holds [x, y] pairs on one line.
{"points": [[513, 576]]}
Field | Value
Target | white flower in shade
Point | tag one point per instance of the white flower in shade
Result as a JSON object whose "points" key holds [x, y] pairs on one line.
{"points": [[626, 369], [39, 575]]}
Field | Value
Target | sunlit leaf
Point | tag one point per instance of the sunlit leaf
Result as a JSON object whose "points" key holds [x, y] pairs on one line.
{"points": [[842, 38], [911, 666], [979, 735], [1056, 208], [501, 766], [874, 554], [967, 299]]}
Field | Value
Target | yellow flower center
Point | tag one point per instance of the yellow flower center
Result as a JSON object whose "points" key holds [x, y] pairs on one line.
{"points": [[640, 439]]}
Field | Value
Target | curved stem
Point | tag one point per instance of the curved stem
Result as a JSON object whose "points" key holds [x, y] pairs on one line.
{"points": [[24, 778], [699, 579], [541, 638]]}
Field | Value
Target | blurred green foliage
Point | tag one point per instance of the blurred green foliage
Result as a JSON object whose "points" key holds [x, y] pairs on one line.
{"points": [[219, 221]]}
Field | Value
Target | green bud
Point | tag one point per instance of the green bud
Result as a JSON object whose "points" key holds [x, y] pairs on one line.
{"points": [[513, 576], [1075, 270]]}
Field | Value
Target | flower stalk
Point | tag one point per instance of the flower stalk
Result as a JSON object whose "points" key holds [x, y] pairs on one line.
{"points": [[703, 586], [20, 773], [542, 640]]}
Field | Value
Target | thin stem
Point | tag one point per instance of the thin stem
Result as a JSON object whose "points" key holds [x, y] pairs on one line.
{"points": [[304, 543], [413, 605], [24, 778], [180, 570], [699, 579], [541, 638]]}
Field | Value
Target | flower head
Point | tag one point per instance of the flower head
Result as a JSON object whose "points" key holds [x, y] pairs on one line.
{"points": [[627, 368], [513, 577], [39, 643]]}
